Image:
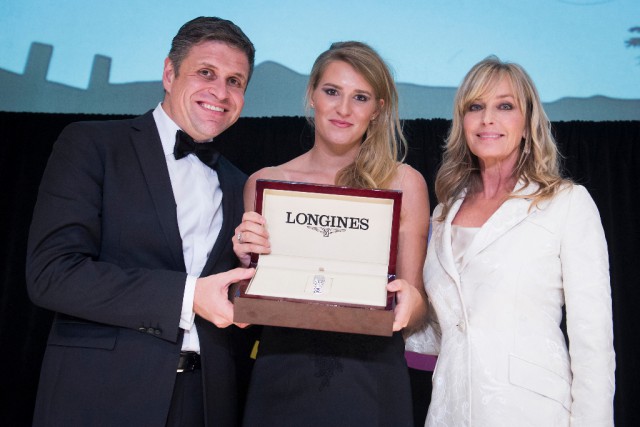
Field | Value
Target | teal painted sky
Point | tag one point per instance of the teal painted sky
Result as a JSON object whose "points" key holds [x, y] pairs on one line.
{"points": [[571, 48]]}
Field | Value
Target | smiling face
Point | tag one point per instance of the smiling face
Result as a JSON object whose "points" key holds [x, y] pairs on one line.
{"points": [[344, 104], [206, 95], [494, 125]]}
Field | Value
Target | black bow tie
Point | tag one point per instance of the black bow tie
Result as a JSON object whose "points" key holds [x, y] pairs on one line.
{"points": [[205, 151]]}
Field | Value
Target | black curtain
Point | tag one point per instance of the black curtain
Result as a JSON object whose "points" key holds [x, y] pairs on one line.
{"points": [[603, 156]]}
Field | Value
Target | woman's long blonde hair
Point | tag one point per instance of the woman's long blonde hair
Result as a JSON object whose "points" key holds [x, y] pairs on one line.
{"points": [[383, 144], [539, 160]]}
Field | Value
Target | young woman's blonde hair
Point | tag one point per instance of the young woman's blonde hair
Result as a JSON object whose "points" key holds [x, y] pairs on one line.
{"points": [[383, 144], [539, 160]]}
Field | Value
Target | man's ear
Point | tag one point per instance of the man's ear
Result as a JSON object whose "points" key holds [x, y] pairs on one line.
{"points": [[168, 75]]}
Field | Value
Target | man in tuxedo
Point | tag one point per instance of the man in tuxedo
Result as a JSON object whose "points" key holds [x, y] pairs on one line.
{"points": [[131, 246]]}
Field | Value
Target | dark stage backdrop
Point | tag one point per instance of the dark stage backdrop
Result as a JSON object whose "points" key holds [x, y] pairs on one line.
{"points": [[603, 156]]}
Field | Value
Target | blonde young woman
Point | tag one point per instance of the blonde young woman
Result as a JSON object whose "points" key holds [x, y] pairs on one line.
{"points": [[313, 378], [512, 244]]}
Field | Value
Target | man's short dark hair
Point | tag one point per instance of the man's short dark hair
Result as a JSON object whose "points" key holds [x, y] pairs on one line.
{"points": [[204, 29]]}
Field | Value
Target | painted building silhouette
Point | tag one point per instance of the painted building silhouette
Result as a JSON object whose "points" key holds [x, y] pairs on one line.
{"points": [[274, 90]]}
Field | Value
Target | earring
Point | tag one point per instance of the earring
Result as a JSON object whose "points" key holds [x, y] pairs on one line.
{"points": [[312, 105], [527, 146]]}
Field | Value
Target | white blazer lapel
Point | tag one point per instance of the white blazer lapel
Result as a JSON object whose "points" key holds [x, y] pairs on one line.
{"points": [[509, 214], [442, 242]]}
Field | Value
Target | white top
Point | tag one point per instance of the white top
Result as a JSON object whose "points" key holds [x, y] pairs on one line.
{"points": [[461, 238]]}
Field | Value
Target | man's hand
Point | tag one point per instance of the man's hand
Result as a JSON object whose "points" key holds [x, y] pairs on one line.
{"points": [[211, 298]]}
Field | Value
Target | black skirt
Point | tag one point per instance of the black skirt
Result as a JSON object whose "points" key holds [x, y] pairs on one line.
{"points": [[313, 378]]}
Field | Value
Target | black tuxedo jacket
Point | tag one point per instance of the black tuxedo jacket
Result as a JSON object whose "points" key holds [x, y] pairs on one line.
{"points": [[105, 254]]}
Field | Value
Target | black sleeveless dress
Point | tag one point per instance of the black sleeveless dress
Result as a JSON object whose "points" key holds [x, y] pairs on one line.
{"points": [[314, 378]]}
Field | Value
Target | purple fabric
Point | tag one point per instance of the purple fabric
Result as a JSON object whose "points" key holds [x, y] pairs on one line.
{"points": [[423, 362]]}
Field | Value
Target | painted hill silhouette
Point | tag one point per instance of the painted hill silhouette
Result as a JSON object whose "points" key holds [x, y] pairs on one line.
{"points": [[274, 90]]}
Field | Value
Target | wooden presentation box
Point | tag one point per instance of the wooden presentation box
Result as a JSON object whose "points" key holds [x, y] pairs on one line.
{"points": [[333, 251]]}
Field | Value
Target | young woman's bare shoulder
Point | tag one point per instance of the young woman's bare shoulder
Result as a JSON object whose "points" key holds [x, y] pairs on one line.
{"points": [[408, 180], [270, 172]]}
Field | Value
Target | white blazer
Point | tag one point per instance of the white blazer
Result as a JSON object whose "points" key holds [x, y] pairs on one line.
{"points": [[495, 324]]}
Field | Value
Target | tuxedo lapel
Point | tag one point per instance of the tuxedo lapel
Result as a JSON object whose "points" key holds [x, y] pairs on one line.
{"points": [[146, 143], [230, 195]]}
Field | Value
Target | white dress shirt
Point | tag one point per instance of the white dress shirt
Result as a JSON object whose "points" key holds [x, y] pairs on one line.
{"points": [[198, 197]]}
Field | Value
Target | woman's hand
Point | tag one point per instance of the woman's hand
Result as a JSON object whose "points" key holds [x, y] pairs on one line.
{"points": [[251, 236], [410, 304]]}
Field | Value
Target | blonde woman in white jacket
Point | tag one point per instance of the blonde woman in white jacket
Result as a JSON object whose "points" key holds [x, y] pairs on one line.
{"points": [[512, 243]]}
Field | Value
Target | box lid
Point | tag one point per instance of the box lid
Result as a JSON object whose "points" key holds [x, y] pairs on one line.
{"points": [[315, 226]]}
